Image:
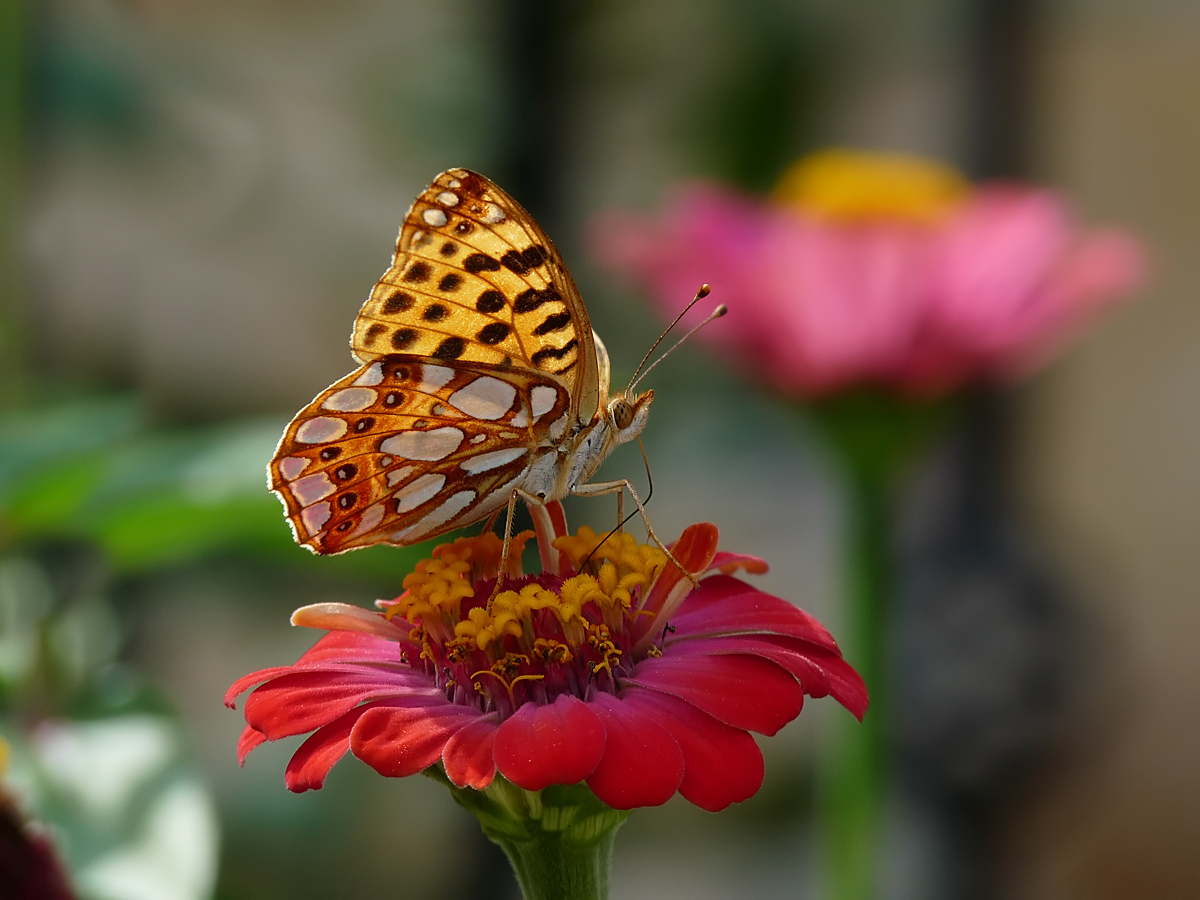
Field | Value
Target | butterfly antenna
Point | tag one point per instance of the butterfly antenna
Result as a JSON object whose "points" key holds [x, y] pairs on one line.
{"points": [[700, 295], [715, 314]]}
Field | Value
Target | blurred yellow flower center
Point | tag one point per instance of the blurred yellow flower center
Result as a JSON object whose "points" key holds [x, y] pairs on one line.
{"points": [[853, 185]]}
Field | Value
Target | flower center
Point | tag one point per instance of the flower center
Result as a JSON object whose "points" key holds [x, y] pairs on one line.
{"points": [[540, 636], [852, 185]]}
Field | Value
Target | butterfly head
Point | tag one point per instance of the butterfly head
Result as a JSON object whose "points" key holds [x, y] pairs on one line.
{"points": [[627, 415]]}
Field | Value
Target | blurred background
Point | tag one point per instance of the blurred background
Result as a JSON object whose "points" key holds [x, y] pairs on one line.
{"points": [[197, 197]]}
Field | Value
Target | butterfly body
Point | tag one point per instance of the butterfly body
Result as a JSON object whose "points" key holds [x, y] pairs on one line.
{"points": [[480, 380]]}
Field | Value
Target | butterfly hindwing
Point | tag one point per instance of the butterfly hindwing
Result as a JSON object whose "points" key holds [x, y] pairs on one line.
{"points": [[407, 448], [475, 280]]}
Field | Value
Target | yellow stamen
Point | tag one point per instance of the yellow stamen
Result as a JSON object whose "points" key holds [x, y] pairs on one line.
{"points": [[854, 185]]}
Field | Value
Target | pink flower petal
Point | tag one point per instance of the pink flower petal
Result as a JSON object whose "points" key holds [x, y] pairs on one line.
{"points": [[559, 743], [642, 764], [820, 672], [301, 701], [722, 765], [345, 617], [742, 691], [397, 740], [724, 605], [468, 755]]}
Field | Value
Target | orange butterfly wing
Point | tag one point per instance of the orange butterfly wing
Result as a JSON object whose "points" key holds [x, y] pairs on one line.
{"points": [[406, 448], [475, 279]]}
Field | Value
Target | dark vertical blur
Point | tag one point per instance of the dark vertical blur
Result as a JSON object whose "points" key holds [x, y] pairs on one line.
{"points": [[12, 111]]}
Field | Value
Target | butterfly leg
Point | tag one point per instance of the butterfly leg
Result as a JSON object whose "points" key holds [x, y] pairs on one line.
{"points": [[508, 525], [619, 488]]}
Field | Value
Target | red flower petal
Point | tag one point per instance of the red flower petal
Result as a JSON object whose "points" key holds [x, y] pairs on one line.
{"points": [[468, 755], [309, 765], [352, 646], [724, 605], [820, 672], [397, 740], [642, 763], [559, 743], [728, 563], [742, 691], [251, 738], [694, 551], [722, 765], [301, 701]]}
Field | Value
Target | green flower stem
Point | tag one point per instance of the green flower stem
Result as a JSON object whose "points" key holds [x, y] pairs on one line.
{"points": [[559, 840], [871, 436], [852, 793]]}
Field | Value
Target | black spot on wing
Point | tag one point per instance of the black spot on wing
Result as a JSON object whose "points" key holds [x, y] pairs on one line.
{"points": [[374, 331], [418, 273], [450, 282], [490, 302], [450, 348], [528, 301], [493, 333], [398, 302], [555, 322], [543, 356], [434, 312], [480, 262], [403, 338]]}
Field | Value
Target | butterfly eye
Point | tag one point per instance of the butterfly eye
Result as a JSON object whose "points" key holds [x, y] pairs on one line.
{"points": [[622, 414]]}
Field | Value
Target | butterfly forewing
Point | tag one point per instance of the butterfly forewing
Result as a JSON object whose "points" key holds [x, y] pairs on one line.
{"points": [[407, 448], [475, 280]]}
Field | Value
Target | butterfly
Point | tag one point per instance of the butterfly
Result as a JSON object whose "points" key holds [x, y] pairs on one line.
{"points": [[481, 381]]}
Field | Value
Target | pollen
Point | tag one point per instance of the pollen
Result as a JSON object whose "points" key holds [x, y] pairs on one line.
{"points": [[538, 636]]}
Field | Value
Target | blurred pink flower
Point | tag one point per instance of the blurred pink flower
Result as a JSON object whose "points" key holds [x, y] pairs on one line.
{"points": [[847, 280]]}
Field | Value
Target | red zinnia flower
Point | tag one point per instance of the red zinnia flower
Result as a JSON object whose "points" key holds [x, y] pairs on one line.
{"points": [[607, 668]]}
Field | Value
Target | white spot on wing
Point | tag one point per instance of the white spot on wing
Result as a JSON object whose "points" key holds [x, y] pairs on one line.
{"points": [[371, 377], [499, 497], [558, 427], [311, 488], [314, 517], [446, 198], [351, 399], [455, 183], [370, 518], [542, 398], [436, 518], [320, 430], [433, 377], [421, 490], [398, 475], [521, 419], [290, 467], [486, 461], [485, 398], [435, 217], [478, 439], [494, 214], [429, 445]]}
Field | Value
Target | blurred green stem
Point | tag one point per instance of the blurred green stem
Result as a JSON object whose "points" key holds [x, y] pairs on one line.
{"points": [[851, 795], [871, 436]]}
